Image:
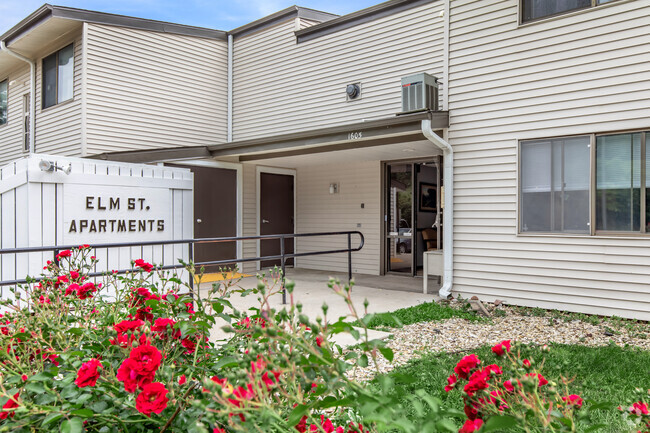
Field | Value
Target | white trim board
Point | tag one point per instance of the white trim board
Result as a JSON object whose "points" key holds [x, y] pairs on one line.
{"points": [[274, 170]]}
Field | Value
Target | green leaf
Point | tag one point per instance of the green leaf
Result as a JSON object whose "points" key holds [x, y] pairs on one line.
{"points": [[76, 331], [35, 387], [74, 425], [297, 413], [363, 361], [55, 416], [226, 362], [41, 377], [498, 422], [85, 413], [387, 352], [446, 425]]}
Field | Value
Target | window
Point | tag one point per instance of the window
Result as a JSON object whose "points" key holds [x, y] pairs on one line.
{"points": [[3, 102], [555, 185], [536, 9], [560, 192], [58, 75], [622, 198]]}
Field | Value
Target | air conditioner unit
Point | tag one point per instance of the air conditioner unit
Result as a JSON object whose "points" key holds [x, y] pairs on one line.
{"points": [[419, 93]]}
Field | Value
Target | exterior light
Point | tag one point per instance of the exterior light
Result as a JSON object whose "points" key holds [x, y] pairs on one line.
{"points": [[353, 91], [51, 166], [334, 188]]}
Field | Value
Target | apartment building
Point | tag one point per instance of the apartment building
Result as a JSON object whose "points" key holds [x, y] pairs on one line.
{"points": [[519, 174]]}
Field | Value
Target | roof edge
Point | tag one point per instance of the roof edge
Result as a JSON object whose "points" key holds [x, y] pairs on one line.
{"points": [[359, 17], [26, 24], [284, 14], [46, 11]]}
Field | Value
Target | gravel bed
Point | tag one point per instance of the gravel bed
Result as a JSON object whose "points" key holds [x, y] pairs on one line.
{"points": [[458, 335]]}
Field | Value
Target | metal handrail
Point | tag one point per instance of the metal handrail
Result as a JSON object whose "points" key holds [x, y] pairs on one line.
{"points": [[283, 256]]}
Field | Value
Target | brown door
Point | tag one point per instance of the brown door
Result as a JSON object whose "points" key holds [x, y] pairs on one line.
{"points": [[276, 215], [215, 213]]}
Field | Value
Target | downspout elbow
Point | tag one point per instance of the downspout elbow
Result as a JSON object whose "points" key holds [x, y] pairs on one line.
{"points": [[32, 94], [448, 215]]}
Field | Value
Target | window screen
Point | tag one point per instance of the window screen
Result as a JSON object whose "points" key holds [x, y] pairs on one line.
{"points": [[58, 77], [535, 9]]}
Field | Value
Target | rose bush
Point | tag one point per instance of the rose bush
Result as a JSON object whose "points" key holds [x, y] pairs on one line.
{"points": [[132, 353]]}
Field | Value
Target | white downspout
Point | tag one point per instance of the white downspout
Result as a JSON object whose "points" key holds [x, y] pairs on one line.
{"points": [[32, 93], [448, 214], [230, 51]]}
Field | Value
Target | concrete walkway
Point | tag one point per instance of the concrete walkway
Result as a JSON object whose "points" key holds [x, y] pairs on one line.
{"points": [[384, 294]]}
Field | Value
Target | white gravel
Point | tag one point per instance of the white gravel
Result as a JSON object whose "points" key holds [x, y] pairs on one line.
{"points": [[456, 335]]}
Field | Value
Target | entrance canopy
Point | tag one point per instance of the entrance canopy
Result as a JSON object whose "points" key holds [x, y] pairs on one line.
{"points": [[397, 137]]}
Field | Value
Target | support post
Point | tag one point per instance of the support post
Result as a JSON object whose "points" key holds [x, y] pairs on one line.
{"points": [[349, 258]]}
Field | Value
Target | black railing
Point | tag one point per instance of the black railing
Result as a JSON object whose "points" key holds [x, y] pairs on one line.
{"points": [[191, 243]]}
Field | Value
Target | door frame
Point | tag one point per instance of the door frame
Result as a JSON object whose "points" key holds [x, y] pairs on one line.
{"points": [[259, 169], [239, 169]]}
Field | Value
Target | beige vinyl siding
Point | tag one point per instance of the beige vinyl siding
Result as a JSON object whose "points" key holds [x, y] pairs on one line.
{"points": [[282, 87], [58, 128], [150, 90], [581, 73], [249, 223], [319, 211], [11, 133]]}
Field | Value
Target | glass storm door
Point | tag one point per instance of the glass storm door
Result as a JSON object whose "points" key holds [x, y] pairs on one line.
{"points": [[399, 218]]}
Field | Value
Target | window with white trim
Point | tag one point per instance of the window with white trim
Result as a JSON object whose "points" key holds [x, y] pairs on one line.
{"points": [[58, 76]]}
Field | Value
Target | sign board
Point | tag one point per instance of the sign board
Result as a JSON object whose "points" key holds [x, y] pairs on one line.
{"points": [[109, 214]]}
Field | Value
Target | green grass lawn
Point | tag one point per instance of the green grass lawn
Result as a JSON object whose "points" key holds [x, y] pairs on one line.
{"points": [[605, 374], [427, 312]]}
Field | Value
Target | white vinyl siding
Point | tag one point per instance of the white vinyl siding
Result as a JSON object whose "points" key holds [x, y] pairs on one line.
{"points": [[319, 211], [58, 128], [583, 73], [11, 134], [281, 86], [151, 90]]}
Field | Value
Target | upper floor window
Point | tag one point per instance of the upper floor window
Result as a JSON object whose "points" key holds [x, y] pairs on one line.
{"points": [[58, 76], [3, 102], [536, 9]]}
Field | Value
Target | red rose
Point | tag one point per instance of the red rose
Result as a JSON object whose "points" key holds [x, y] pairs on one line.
{"points": [[132, 378], [88, 374], [477, 381], [74, 275], [508, 386], [153, 398], [64, 253], [639, 408], [573, 400], [12, 403], [86, 291], [466, 365], [161, 326], [182, 380], [527, 363], [451, 382], [502, 348], [148, 358], [471, 426], [72, 288], [147, 267]]}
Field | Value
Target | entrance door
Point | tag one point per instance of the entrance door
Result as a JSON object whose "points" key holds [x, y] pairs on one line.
{"points": [[399, 218], [215, 213], [276, 214]]}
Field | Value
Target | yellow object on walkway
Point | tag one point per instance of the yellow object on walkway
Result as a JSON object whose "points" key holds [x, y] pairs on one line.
{"points": [[219, 276]]}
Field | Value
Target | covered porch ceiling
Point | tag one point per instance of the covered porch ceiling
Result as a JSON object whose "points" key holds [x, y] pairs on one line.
{"points": [[393, 138]]}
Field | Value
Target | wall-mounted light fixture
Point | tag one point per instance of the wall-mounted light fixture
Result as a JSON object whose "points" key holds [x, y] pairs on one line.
{"points": [[353, 91], [334, 188], [52, 167]]}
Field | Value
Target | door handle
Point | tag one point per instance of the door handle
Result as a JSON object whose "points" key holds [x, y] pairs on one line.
{"points": [[199, 221], [265, 221]]}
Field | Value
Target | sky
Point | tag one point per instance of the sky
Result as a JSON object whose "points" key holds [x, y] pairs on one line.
{"points": [[216, 14]]}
